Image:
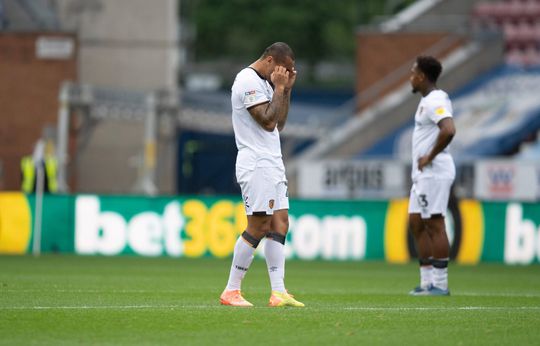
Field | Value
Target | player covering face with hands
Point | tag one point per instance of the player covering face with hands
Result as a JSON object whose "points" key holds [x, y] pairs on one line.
{"points": [[260, 98]]}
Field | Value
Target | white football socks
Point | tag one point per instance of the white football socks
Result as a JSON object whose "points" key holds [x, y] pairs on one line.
{"points": [[242, 258], [440, 278], [440, 273], [275, 261], [426, 276]]}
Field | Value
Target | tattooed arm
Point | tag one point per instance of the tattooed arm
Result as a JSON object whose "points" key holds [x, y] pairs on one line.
{"points": [[274, 113]]}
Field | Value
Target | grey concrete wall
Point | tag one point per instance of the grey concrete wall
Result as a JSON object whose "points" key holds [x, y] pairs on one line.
{"points": [[130, 45]]}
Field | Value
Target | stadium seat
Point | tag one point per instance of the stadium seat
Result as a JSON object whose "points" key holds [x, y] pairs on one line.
{"points": [[510, 31], [536, 31], [526, 31], [532, 9], [519, 21], [531, 55], [515, 57], [514, 9], [483, 10]]}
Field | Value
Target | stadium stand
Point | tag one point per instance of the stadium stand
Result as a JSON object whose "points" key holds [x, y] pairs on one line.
{"points": [[470, 37], [495, 113], [475, 54], [519, 20]]}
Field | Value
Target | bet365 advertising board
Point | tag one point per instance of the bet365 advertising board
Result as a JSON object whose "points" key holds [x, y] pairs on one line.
{"points": [[192, 226]]}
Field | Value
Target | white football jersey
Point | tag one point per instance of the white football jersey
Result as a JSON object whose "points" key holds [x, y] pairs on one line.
{"points": [[432, 108], [256, 146]]}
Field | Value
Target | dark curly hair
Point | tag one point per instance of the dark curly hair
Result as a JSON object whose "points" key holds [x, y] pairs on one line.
{"points": [[429, 66]]}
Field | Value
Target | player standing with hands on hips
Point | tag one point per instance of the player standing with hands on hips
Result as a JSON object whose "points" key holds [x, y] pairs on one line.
{"points": [[260, 98], [433, 173]]}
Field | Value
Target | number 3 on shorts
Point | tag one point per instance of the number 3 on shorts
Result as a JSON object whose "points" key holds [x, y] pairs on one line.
{"points": [[423, 201]]}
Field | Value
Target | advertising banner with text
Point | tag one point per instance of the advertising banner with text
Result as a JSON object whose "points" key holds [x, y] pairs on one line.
{"points": [[506, 180], [344, 179], [193, 227]]}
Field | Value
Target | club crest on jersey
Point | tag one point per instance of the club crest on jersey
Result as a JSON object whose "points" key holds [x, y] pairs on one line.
{"points": [[271, 204]]}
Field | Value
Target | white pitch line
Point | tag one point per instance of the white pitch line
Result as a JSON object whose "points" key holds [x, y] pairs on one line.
{"points": [[359, 308], [456, 308], [393, 293], [509, 295], [107, 307], [86, 291]]}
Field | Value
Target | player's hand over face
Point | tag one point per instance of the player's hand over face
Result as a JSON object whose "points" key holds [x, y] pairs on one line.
{"points": [[280, 77], [292, 79]]}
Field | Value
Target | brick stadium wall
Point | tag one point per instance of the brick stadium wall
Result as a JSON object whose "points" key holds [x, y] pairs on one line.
{"points": [[29, 89], [380, 54]]}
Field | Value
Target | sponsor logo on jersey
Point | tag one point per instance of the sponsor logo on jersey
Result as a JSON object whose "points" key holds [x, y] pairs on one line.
{"points": [[440, 111], [250, 96]]}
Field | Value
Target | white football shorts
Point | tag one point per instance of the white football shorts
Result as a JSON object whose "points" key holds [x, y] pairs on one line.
{"points": [[264, 189], [430, 197]]}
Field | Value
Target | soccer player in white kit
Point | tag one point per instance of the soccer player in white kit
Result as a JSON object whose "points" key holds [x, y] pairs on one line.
{"points": [[260, 98], [433, 173]]}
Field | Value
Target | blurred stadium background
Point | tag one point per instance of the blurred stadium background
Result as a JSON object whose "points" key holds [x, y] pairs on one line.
{"points": [[133, 100], [128, 100], [116, 139], [120, 111]]}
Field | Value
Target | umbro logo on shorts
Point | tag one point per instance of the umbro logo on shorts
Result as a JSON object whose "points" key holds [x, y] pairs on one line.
{"points": [[271, 204]]}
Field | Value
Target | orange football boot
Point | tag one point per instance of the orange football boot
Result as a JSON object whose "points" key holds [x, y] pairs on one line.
{"points": [[233, 298]]}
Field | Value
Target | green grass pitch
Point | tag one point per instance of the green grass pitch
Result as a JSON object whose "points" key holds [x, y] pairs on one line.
{"points": [[130, 300]]}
